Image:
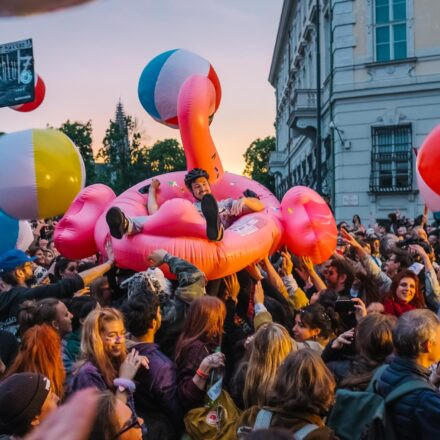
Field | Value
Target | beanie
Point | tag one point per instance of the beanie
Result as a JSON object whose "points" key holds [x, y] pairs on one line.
{"points": [[22, 396]]}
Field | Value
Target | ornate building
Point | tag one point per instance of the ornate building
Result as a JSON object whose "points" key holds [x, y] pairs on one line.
{"points": [[380, 97]]}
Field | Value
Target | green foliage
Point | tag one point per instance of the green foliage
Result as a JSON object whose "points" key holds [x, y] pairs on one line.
{"points": [[121, 148], [124, 161], [127, 162], [257, 161], [81, 135], [166, 156]]}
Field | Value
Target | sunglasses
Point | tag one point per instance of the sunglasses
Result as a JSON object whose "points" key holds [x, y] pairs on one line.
{"points": [[133, 422]]}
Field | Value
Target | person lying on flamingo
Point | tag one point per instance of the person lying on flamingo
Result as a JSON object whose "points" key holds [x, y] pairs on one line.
{"points": [[218, 215]]}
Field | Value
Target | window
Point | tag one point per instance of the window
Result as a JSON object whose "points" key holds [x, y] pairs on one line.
{"points": [[391, 31], [391, 159]]}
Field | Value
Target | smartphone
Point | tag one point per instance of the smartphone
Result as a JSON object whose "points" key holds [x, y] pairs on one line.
{"points": [[343, 306]]}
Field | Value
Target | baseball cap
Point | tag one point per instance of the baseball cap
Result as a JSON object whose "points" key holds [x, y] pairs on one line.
{"points": [[12, 259], [22, 396]]}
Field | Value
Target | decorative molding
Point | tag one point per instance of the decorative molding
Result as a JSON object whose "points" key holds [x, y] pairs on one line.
{"points": [[391, 116]]}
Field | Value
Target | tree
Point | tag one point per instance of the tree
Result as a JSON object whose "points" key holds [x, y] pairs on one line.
{"points": [[81, 135], [165, 156], [257, 161], [121, 149]]}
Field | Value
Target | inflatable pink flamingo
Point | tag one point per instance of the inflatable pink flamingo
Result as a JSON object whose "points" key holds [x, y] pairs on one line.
{"points": [[181, 89]]}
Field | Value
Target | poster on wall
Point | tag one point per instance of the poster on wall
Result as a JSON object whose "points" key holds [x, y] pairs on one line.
{"points": [[16, 73]]}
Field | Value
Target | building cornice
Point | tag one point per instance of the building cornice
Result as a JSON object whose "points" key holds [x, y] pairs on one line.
{"points": [[282, 34]]}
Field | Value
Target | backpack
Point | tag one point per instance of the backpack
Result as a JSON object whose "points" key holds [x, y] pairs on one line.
{"points": [[264, 417], [213, 422], [363, 415]]}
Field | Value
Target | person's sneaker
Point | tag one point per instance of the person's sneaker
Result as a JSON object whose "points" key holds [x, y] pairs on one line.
{"points": [[214, 227], [117, 222]]}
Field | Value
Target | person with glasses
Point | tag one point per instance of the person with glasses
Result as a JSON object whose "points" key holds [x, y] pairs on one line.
{"points": [[115, 420], [16, 271]]}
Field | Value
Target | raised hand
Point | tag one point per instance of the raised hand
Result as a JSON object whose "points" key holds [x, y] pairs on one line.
{"points": [[343, 339], [360, 310], [131, 364], [287, 264], [259, 294], [232, 286], [156, 257], [254, 271], [155, 183]]}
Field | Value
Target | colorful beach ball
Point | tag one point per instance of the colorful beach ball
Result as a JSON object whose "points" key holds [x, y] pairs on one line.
{"points": [[162, 78], [41, 172], [14, 234], [40, 92], [428, 176]]}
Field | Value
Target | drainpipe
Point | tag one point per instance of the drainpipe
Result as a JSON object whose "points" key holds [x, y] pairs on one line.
{"points": [[318, 102], [333, 198]]}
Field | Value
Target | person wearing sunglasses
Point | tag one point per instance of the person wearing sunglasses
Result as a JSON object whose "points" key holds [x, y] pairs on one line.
{"points": [[116, 420]]}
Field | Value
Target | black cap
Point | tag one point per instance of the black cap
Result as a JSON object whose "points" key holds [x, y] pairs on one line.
{"points": [[22, 396], [194, 174]]}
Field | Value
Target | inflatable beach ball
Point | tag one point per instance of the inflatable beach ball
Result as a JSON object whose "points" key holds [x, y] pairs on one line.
{"points": [[14, 234], [41, 173], [40, 92], [428, 176], [162, 79]]}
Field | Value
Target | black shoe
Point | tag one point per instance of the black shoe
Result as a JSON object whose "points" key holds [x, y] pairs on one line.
{"points": [[214, 227], [117, 222]]}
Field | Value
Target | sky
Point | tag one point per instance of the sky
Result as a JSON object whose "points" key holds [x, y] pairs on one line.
{"points": [[91, 56]]}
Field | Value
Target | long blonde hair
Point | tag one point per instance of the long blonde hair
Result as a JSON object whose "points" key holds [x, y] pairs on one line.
{"points": [[92, 346], [271, 344]]}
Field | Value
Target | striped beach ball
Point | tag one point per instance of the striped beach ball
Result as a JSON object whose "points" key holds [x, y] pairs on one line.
{"points": [[14, 234], [41, 173], [40, 92], [162, 78], [428, 175]]}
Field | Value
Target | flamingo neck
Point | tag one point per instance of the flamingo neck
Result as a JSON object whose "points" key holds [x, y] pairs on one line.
{"points": [[195, 105]]}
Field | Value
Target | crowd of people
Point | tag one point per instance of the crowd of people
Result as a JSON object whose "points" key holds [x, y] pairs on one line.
{"points": [[88, 350]]}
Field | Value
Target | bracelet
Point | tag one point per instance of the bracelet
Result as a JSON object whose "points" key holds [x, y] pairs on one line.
{"points": [[124, 384], [202, 374]]}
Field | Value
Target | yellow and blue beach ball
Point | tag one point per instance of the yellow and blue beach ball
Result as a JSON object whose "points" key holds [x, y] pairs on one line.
{"points": [[41, 173]]}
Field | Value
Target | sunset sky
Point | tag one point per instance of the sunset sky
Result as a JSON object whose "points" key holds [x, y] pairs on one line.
{"points": [[91, 56]]}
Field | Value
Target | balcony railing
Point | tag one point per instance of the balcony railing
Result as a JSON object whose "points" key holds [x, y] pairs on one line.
{"points": [[304, 99]]}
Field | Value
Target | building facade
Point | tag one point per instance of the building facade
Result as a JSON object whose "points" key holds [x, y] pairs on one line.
{"points": [[380, 97]]}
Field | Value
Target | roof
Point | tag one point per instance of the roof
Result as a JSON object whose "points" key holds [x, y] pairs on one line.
{"points": [[283, 32]]}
